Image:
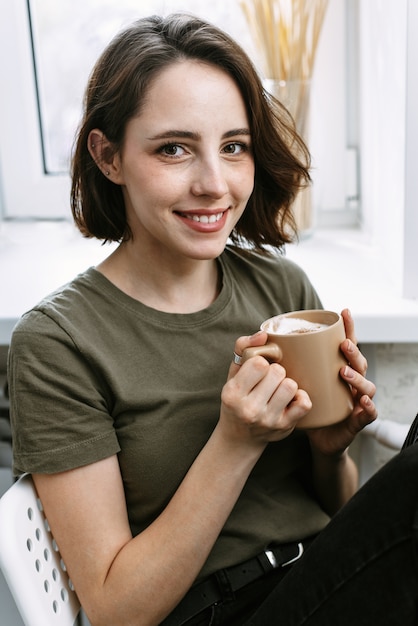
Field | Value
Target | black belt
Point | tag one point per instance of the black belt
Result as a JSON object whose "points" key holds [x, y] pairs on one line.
{"points": [[208, 592]]}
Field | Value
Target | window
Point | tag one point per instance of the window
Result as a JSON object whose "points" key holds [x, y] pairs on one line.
{"points": [[388, 41], [66, 47], [47, 49]]}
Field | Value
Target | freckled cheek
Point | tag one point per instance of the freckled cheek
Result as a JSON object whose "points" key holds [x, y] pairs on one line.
{"points": [[245, 185], [145, 197], [156, 188]]}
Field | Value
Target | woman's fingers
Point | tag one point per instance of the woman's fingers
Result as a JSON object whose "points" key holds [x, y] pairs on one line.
{"points": [[258, 339], [263, 400], [349, 325], [358, 382]]}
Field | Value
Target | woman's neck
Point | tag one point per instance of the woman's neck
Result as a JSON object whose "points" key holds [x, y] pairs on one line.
{"points": [[181, 288]]}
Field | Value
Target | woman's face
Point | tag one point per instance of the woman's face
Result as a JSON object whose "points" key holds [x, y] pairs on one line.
{"points": [[186, 166]]}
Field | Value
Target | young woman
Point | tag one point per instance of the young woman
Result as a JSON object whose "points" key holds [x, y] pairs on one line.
{"points": [[162, 466]]}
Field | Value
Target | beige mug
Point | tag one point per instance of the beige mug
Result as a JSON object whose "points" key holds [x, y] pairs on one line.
{"points": [[312, 357]]}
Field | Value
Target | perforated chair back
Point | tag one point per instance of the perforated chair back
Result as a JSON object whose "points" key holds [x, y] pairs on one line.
{"points": [[31, 562]]}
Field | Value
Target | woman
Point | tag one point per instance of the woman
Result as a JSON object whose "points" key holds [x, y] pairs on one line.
{"points": [[162, 465]]}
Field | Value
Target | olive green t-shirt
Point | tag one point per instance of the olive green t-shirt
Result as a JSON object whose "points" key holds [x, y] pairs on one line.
{"points": [[93, 373]]}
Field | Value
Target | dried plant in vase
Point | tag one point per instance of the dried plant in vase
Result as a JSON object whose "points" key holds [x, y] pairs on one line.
{"points": [[286, 34]]}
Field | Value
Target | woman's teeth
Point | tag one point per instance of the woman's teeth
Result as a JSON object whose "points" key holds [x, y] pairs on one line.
{"points": [[205, 219]]}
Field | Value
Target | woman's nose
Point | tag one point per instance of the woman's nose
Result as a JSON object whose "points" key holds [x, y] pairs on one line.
{"points": [[210, 179]]}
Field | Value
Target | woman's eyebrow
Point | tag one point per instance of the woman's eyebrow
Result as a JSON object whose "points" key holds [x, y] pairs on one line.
{"points": [[187, 134], [236, 131], [171, 134]]}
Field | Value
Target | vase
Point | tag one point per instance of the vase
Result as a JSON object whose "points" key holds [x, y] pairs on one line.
{"points": [[295, 96]]}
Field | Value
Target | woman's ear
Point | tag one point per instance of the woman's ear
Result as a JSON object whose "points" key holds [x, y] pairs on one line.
{"points": [[103, 154]]}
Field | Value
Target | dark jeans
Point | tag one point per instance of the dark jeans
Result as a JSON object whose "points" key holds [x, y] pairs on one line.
{"points": [[360, 571]]}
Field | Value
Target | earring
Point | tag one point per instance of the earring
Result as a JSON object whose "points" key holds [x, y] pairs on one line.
{"points": [[107, 173], [93, 145]]}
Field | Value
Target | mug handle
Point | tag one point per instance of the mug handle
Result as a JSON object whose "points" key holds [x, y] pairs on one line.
{"points": [[269, 351]]}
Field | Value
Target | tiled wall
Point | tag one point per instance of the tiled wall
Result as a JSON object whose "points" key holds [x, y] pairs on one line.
{"points": [[397, 380], [394, 370]]}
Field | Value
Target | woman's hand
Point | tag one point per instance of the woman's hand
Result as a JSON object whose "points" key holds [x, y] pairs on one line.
{"points": [[333, 440], [259, 403]]}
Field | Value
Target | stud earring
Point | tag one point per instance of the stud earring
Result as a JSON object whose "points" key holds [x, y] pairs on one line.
{"points": [[93, 145], [107, 173]]}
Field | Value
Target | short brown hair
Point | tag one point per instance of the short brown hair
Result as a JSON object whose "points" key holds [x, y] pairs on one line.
{"points": [[115, 93]]}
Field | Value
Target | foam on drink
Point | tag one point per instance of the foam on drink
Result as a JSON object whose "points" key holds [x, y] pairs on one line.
{"points": [[289, 325]]}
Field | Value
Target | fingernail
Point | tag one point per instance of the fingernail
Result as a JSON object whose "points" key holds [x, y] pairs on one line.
{"points": [[348, 372], [350, 346]]}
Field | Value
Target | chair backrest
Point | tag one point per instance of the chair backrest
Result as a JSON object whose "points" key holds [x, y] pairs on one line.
{"points": [[31, 562]]}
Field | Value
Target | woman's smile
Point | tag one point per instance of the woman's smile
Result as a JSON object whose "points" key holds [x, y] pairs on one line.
{"points": [[205, 221]]}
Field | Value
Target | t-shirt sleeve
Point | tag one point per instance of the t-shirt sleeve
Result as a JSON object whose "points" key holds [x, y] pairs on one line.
{"points": [[59, 404]]}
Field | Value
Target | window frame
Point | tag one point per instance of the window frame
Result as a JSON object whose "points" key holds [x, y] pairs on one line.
{"points": [[410, 234], [24, 182]]}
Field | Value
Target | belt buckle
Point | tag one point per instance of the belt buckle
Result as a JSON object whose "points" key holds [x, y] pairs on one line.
{"points": [[273, 561]]}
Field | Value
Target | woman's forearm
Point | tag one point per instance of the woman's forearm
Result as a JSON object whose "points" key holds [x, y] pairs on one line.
{"points": [[335, 479], [163, 561]]}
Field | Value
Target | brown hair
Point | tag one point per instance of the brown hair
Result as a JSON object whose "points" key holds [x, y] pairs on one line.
{"points": [[115, 93]]}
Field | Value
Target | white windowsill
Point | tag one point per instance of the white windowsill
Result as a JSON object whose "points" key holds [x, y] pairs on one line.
{"points": [[348, 272], [38, 257]]}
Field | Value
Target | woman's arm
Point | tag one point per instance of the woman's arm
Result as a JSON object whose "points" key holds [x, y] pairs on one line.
{"points": [[335, 480], [138, 581]]}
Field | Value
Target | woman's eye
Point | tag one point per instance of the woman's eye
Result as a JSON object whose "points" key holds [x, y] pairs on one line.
{"points": [[235, 148], [172, 150]]}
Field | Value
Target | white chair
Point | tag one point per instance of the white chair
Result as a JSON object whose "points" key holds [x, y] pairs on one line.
{"points": [[388, 433], [376, 445], [31, 562]]}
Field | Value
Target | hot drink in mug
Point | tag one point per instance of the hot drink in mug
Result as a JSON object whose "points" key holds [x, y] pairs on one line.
{"points": [[307, 344]]}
